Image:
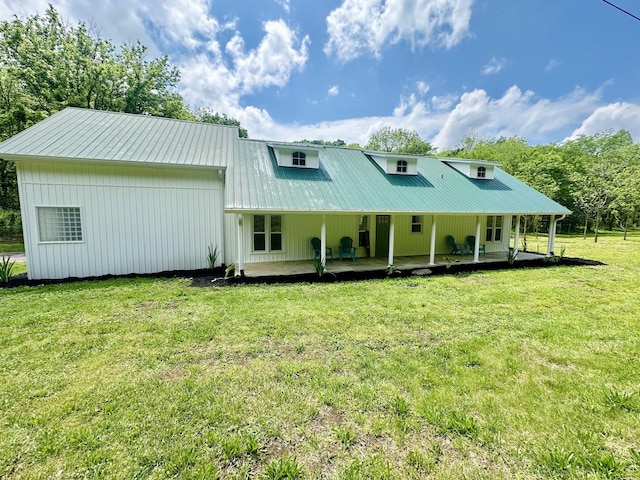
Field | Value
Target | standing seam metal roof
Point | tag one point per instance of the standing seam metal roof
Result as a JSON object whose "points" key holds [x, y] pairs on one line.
{"points": [[348, 181], [83, 134]]}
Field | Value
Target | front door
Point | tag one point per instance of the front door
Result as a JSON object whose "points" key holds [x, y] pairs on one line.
{"points": [[382, 235]]}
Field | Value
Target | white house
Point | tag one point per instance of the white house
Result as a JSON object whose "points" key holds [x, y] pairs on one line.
{"points": [[111, 193]]}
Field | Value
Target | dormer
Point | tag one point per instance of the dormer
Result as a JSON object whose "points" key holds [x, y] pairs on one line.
{"points": [[297, 156], [476, 169], [394, 163]]}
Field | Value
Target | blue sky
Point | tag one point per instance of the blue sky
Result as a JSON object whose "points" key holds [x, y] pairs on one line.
{"points": [[545, 70]]}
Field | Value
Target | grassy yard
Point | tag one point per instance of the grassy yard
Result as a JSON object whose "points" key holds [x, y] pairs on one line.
{"points": [[526, 373]]}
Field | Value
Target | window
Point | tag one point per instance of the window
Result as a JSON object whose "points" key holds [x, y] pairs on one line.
{"points": [[401, 166], [363, 231], [482, 172], [267, 227], [494, 229], [299, 158], [59, 224], [416, 224]]}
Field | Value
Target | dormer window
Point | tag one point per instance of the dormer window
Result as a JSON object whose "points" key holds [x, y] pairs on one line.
{"points": [[299, 159], [482, 172], [401, 166]]}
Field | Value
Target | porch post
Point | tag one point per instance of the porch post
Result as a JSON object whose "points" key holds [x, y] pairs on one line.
{"points": [[476, 247], [516, 237], [552, 235], [240, 261], [323, 241], [432, 248], [391, 236]]}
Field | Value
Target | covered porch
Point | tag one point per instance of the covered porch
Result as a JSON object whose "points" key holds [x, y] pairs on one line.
{"points": [[379, 264]]}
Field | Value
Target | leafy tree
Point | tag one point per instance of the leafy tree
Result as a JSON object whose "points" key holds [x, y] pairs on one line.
{"points": [[328, 143], [398, 140], [208, 116]]}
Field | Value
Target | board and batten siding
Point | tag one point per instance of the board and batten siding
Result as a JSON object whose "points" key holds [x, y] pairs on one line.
{"points": [[135, 219]]}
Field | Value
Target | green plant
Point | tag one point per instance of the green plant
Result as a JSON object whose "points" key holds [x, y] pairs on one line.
{"points": [[449, 261], [6, 266], [391, 269], [285, 468], [345, 436], [212, 256], [524, 245], [563, 251], [319, 267], [230, 268], [512, 255]]}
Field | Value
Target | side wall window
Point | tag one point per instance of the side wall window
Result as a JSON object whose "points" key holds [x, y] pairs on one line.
{"points": [[267, 233], [416, 224], [59, 224], [493, 232]]}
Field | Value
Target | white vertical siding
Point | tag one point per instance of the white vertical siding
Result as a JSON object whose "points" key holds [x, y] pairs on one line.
{"points": [[134, 219]]}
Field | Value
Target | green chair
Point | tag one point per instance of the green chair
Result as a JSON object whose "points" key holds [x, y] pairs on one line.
{"points": [[459, 248], [346, 248], [316, 244], [471, 241]]}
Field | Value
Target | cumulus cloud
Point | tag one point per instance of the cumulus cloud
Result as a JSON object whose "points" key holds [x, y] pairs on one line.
{"points": [[422, 87], [615, 116], [494, 66], [360, 27], [551, 65], [333, 91]]}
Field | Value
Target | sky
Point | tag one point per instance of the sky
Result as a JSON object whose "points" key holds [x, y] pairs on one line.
{"points": [[543, 70]]}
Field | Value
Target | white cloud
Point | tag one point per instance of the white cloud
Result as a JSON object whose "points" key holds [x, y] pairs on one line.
{"points": [[422, 87], [551, 65], [333, 91], [360, 27], [494, 66], [615, 116]]}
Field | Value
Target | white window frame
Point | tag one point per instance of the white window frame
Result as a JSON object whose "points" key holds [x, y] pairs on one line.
{"points": [[59, 224], [494, 228], [268, 233], [402, 166], [416, 223], [481, 172]]}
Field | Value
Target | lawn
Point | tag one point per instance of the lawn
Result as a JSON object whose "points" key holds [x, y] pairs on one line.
{"points": [[524, 373]]}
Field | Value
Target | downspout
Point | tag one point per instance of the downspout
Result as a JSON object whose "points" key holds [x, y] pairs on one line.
{"points": [[552, 233]]}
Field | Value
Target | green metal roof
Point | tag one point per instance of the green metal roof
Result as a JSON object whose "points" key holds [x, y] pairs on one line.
{"points": [[82, 134], [348, 181]]}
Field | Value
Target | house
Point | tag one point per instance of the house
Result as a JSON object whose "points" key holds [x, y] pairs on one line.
{"points": [[111, 193]]}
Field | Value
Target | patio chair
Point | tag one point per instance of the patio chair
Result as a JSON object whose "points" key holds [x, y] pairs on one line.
{"points": [[316, 244], [346, 248], [459, 248], [471, 241]]}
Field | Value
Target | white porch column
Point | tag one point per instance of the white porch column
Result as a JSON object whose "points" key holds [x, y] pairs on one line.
{"points": [[552, 235], [391, 236], [516, 238], [476, 247], [323, 241], [432, 248], [240, 261]]}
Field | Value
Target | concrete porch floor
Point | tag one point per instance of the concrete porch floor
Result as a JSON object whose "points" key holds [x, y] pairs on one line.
{"points": [[299, 267]]}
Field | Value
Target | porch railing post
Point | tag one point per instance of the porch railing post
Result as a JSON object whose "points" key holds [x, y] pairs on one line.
{"points": [[432, 248], [391, 237]]}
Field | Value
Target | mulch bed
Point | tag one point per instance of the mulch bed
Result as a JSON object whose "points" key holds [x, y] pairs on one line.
{"points": [[215, 278]]}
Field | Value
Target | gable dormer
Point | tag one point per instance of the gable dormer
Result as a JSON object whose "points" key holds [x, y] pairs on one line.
{"points": [[476, 169], [297, 156], [394, 163]]}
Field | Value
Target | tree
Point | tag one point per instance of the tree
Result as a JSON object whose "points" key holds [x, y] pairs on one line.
{"points": [[208, 116], [398, 140]]}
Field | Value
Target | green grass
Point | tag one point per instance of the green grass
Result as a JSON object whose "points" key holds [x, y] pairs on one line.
{"points": [[526, 373]]}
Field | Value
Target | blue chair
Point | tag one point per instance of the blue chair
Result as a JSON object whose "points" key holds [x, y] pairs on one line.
{"points": [[471, 241], [346, 248], [316, 244], [459, 248]]}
